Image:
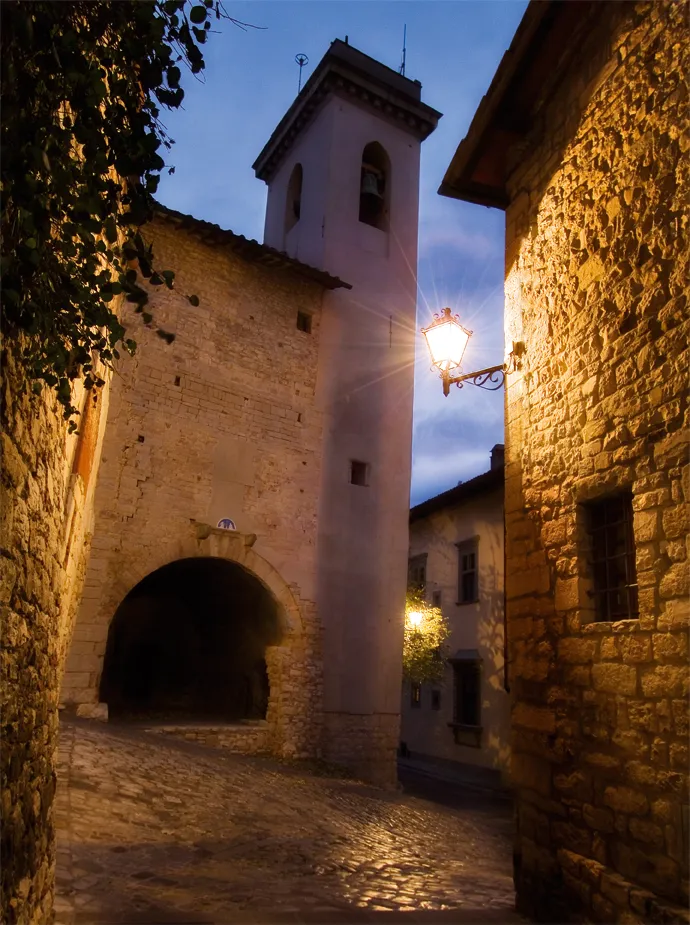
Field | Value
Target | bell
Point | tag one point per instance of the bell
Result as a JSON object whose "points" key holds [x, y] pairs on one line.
{"points": [[370, 185]]}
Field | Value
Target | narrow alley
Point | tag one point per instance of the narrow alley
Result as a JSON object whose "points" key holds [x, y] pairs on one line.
{"points": [[155, 830]]}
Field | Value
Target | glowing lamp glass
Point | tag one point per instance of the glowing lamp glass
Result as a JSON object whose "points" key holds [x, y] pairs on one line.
{"points": [[447, 340], [414, 618]]}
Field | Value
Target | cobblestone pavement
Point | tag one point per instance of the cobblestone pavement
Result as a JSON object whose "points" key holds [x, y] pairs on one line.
{"points": [[153, 830]]}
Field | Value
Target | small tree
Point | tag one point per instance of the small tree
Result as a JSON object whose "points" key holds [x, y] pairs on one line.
{"points": [[426, 630]]}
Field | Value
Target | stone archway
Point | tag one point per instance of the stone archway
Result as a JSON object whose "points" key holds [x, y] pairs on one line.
{"points": [[188, 645], [292, 720]]}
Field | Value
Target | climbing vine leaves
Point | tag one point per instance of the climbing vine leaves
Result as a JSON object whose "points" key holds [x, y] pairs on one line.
{"points": [[84, 86], [425, 634]]}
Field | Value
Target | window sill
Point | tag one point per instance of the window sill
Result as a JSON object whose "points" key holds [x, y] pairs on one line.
{"points": [[629, 625], [464, 603], [469, 736]]}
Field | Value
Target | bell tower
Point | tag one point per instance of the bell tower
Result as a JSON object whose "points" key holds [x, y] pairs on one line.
{"points": [[342, 169]]}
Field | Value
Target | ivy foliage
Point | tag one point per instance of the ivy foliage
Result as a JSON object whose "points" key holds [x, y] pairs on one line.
{"points": [[83, 88], [425, 635]]}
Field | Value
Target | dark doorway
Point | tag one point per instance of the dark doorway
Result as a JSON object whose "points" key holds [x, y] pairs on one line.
{"points": [[189, 643]]}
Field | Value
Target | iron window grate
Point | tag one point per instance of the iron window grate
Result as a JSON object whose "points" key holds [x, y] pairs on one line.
{"points": [[613, 559]]}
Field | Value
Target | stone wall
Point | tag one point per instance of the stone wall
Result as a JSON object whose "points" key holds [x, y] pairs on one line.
{"points": [[46, 504], [219, 424], [596, 288], [246, 738], [364, 743]]}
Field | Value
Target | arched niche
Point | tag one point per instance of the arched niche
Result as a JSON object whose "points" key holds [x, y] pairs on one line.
{"points": [[374, 186], [293, 201]]}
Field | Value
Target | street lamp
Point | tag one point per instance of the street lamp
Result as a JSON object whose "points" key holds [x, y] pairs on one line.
{"points": [[447, 339]]}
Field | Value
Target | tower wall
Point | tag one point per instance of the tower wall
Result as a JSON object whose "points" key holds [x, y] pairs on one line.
{"points": [[365, 391]]}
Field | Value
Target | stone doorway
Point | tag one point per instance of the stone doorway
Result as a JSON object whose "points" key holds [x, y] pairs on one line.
{"points": [[189, 644]]}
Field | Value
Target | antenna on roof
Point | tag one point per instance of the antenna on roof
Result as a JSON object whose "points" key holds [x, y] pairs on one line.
{"points": [[301, 59], [401, 69]]}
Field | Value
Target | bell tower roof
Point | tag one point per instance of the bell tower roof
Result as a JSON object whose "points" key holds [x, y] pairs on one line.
{"points": [[346, 71]]}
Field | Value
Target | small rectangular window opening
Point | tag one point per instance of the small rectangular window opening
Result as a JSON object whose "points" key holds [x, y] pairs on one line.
{"points": [[415, 694], [612, 558], [436, 700], [468, 584], [304, 322], [358, 472], [436, 599]]}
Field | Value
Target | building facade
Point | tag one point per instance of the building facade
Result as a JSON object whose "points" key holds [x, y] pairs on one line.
{"points": [[251, 509], [218, 426], [582, 139], [456, 555]]}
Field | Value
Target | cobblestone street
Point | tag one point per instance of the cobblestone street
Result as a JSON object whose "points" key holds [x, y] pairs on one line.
{"points": [[153, 830]]}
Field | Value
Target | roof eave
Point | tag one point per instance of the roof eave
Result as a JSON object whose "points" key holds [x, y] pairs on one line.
{"points": [[485, 482], [332, 71], [455, 183], [247, 249], [477, 193]]}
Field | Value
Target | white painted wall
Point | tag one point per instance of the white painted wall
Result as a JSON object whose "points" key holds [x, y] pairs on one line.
{"points": [[365, 390], [473, 626]]}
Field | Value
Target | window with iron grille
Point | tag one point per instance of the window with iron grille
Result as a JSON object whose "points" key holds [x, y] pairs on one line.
{"points": [[612, 552], [416, 572], [436, 599], [468, 572], [467, 693]]}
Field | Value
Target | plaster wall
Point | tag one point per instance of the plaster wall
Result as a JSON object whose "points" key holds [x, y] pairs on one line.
{"points": [[426, 731], [364, 390], [221, 423], [596, 288]]}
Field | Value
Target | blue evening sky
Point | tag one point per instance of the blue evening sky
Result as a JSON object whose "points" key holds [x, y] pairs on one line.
{"points": [[453, 48]]}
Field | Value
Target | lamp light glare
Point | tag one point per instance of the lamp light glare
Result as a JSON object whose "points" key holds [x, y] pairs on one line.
{"points": [[447, 340], [415, 618]]}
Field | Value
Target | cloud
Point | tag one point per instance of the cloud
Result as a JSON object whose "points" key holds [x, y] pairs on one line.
{"points": [[453, 238], [434, 475]]}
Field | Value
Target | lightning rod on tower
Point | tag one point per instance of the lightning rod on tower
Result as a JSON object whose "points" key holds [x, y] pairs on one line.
{"points": [[301, 59], [401, 69]]}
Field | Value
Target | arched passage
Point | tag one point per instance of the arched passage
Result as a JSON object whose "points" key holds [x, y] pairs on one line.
{"points": [[189, 642]]}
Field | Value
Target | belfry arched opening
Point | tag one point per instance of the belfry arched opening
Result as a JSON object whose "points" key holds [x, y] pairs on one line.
{"points": [[189, 643]]}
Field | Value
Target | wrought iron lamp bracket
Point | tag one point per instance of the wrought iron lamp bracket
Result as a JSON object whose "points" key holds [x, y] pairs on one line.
{"points": [[492, 378]]}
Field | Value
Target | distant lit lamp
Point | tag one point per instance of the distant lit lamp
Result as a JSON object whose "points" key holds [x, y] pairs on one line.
{"points": [[414, 618], [447, 339]]}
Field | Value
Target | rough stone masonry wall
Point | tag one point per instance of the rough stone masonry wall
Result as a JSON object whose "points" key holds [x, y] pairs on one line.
{"points": [[46, 503], [596, 288], [229, 408]]}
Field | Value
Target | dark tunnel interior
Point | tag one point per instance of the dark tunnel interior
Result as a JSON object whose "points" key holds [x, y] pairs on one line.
{"points": [[188, 643]]}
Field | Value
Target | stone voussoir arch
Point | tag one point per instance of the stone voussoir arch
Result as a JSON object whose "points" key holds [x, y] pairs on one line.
{"points": [[205, 541], [81, 682]]}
